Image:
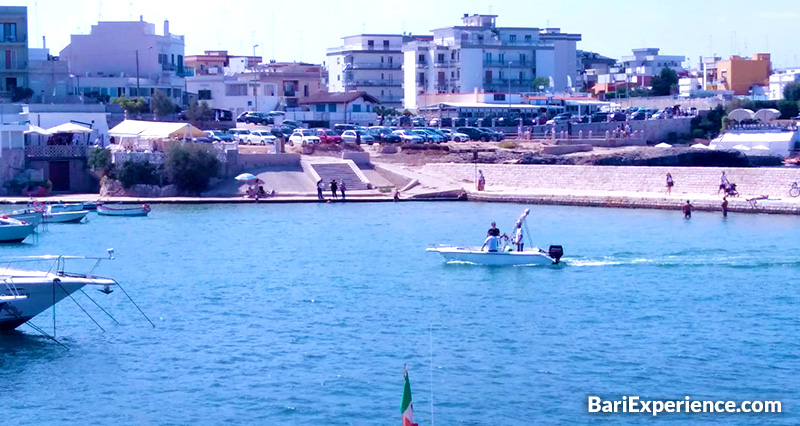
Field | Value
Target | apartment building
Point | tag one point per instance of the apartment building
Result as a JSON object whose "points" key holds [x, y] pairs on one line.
{"points": [[479, 55], [372, 63], [779, 80], [217, 61], [637, 70], [13, 50], [741, 74], [127, 58]]}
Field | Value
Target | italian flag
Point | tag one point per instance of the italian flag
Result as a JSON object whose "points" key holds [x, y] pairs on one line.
{"points": [[407, 407]]}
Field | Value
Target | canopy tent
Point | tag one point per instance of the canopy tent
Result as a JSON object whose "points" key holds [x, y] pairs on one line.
{"points": [[700, 146], [37, 130], [133, 134], [741, 114], [69, 128], [663, 145], [778, 142], [741, 148]]}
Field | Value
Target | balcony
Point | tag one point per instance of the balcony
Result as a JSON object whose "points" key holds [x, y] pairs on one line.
{"points": [[21, 39], [57, 151], [168, 67], [505, 64], [438, 64], [422, 83], [422, 65], [374, 66], [375, 82]]}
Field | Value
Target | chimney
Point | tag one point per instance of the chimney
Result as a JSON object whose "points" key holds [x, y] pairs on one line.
{"points": [[166, 27], [44, 42], [141, 18]]}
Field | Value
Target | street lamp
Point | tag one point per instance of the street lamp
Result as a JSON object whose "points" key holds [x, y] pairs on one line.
{"points": [[254, 55]]}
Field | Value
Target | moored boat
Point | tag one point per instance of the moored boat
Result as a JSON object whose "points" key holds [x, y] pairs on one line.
{"points": [[56, 213], [27, 215], [105, 210], [13, 230]]}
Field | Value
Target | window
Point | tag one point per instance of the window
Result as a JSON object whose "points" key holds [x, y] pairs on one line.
{"points": [[232, 90], [320, 108], [488, 57], [331, 107], [305, 90], [337, 60], [369, 108], [338, 78], [204, 95], [386, 44], [501, 57], [421, 58], [499, 96], [440, 58], [528, 38], [521, 75], [356, 108], [512, 38], [523, 58], [370, 44], [9, 32], [488, 76]]}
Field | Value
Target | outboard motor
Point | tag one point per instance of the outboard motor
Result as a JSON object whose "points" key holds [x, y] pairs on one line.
{"points": [[556, 252]]}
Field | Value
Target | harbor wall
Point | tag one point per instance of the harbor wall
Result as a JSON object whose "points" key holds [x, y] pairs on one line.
{"points": [[751, 182]]}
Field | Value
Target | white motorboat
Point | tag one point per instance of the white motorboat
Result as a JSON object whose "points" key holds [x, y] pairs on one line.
{"points": [[504, 255], [27, 215], [27, 293], [105, 210], [64, 213], [65, 207], [13, 230], [479, 256]]}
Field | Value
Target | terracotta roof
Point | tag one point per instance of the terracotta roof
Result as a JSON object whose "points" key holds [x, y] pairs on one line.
{"points": [[339, 98]]}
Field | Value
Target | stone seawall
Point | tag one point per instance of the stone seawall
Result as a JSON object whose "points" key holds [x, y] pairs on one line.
{"points": [[751, 182]]}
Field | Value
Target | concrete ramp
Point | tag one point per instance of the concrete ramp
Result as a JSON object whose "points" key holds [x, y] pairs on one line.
{"points": [[340, 171]]}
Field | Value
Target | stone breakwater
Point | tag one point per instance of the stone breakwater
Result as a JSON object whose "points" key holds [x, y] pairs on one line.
{"points": [[751, 182]]}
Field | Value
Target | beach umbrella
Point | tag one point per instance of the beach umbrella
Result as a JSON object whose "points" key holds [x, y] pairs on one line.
{"points": [[766, 115], [700, 146], [741, 147], [663, 145], [246, 177], [69, 128], [741, 114]]}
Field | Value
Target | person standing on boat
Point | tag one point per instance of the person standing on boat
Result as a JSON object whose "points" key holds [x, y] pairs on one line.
{"points": [[493, 231], [320, 187], [334, 187], [342, 188], [687, 210], [518, 237]]}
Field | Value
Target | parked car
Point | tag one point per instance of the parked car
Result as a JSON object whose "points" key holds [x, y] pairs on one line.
{"points": [[239, 135], [350, 136], [640, 115], [261, 137], [219, 136], [291, 123], [407, 137], [303, 137], [252, 117], [379, 132], [599, 117], [327, 136], [617, 116], [419, 121], [341, 128], [562, 118], [455, 136], [439, 132], [475, 133], [494, 134], [428, 135]]}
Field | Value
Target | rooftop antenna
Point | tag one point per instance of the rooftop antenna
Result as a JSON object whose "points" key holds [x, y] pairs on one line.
{"points": [[273, 34], [130, 10], [99, 10], [36, 17]]}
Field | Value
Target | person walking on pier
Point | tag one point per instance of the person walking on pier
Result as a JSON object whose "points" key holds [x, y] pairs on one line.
{"points": [[481, 181], [342, 188], [320, 187], [333, 189], [670, 184], [723, 183], [687, 210]]}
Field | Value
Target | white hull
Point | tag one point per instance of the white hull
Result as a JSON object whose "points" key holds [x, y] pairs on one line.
{"points": [[34, 218], [15, 233], [65, 217], [500, 258], [108, 211], [35, 294]]}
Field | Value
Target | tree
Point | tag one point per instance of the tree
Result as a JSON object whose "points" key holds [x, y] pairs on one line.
{"points": [[21, 93], [100, 159], [791, 92], [788, 109], [539, 82], [132, 106], [191, 166], [161, 105], [198, 111], [665, 82], [137, 173]]}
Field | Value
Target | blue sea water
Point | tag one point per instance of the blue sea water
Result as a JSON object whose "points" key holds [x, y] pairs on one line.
{"points": [[304, 314]]}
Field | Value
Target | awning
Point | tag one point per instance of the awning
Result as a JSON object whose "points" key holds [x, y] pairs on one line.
{"points": [[156, 130], [38, 130], [69, 128]]}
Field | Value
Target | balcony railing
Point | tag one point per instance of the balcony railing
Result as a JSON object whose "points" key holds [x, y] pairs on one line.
{"points": [[57, 151], [514, 64], [422, 65], [376, 82], [168, 67], [374, 66], [13, 39]]}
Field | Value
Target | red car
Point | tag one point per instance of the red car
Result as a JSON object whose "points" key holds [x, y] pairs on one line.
{"points": [[328, 136]]}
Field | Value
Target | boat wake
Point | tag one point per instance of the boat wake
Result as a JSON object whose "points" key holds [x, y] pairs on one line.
{"points": [[742, 261]]}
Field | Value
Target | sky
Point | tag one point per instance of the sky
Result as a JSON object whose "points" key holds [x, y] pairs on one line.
{"points": [[302, 30]]}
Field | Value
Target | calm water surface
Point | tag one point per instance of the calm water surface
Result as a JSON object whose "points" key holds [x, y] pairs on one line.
{"points": [[305, 315]]}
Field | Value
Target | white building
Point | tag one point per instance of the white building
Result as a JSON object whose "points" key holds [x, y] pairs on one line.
{"points": [[49, 78], [234, 93], [126, 58], [639, 69], [479, 55], [779, 80], [371, 63]]}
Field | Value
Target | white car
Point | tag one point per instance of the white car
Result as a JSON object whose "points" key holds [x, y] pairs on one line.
{"points": [[239, 135], [303, 137], [261, 137], [407, 137], [456, 136]]}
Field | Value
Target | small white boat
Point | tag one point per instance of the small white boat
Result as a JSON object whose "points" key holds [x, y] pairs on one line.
{"points": [[14, 231], [65, 207], [477, 256], [27, 215], [57, 214], [27, 293], [504, 256], [105, 210]]}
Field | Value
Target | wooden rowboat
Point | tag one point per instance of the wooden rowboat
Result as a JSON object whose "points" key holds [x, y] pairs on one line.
{"points": [[105, 210]]}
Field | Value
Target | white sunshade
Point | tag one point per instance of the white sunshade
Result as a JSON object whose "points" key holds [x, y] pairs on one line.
{"points": [[37, 129], [69, 128], [700, 146], [741, 114], [663, 145], [741, 147]]}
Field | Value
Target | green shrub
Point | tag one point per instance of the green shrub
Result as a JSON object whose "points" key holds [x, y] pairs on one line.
{"points": [[672, 137], [100, 159], [508, 144], [698, 133], [191, 166], [137, 173]]}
